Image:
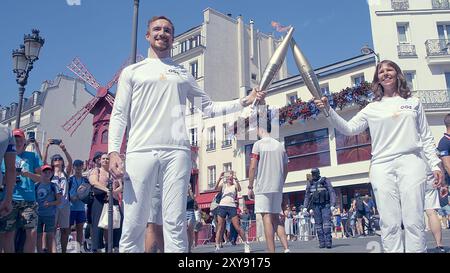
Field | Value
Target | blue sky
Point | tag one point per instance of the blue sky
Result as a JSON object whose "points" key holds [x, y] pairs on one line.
{"points": [[99, 31]]}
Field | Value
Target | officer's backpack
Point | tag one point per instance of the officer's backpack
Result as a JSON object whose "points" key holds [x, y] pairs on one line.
{"points": [[360, 205], [322, 196]]}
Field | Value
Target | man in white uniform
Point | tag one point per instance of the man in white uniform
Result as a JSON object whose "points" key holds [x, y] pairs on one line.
{"points": [[269, 166], [150, 103]]}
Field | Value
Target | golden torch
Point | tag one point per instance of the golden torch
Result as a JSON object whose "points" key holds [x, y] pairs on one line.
{"points": [[307, 73], [272, 68]]}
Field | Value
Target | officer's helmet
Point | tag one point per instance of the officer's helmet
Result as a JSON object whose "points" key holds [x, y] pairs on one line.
{"points": [[315, 173]]}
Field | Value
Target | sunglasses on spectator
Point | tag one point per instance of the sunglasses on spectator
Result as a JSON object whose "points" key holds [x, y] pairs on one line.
{"points": [[57, 158]]}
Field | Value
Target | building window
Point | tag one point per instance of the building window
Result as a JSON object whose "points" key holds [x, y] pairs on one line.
{"points": [[105, 137], [211, 139], [227, 137], [184, 46], [325, 89], [353, 148], [248, 151], [254, 76], [191, 107], [402, 32], [358, 80], [193, 133], [35, 97], [211, 177], [195, 41], [447, 80], [443, 31], [291, 98], [410, 79], [227, 167], [308, 150], [194, 69], [94, 138], [444, 37]]}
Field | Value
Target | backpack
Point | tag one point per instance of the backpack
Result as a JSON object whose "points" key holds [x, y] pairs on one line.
{"points": [[84, 191], [360, 205]]}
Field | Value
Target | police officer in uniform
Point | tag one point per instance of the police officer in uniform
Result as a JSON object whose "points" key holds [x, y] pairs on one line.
{"points": [[320, 196]]}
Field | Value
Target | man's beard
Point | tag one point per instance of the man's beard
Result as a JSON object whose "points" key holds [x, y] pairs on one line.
{"points": [[164, 46]]}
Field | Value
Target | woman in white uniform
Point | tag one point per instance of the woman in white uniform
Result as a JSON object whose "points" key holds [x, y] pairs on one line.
{"points": [[400, 133]]}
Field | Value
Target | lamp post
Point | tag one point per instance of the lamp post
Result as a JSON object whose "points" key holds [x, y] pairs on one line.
{"points": [[23, 59], [366, 50], [134, 32]]}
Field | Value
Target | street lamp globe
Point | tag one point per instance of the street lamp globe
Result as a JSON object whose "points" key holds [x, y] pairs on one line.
{"points": [[33, 43], [366, 50], [19, 60]]}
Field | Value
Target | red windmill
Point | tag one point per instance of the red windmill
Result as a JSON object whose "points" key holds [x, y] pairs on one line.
{"points": [[100, 106]]}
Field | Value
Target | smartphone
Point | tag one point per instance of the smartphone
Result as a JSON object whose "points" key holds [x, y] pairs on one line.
{"points": [[227, 175], [31, 136], [55, 141]]}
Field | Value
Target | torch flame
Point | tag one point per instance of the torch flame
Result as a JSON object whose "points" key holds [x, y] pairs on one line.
{"points": [[279, 27]]}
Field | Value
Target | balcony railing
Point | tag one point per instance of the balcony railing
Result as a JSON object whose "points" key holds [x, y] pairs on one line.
{"points": [[406, 50], [226, 143], [400, 4], [187, 45], [440, 4], [211, 146], [29, 120], [433, 99], [437, 47]]}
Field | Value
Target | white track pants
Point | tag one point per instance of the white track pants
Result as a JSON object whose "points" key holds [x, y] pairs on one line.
{"points": [[170, 170], [399, 187]]}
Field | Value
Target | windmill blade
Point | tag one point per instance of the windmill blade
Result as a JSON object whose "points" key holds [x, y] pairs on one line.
{"points": [[116, 76], [110, 99], [79, 69], [75, 121]]}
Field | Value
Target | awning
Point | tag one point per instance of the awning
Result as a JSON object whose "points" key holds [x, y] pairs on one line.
{"points": [[204, 199], [249, 202]]}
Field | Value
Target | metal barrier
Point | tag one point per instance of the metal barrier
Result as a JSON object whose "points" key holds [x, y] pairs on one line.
{"points": [[204, 234]]}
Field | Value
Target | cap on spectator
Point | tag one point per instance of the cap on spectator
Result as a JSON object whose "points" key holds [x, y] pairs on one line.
{"points": [[19, 133], [78, 163], [46, 167], [97, 155]]}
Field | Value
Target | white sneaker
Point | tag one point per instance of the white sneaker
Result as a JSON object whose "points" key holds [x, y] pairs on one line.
{"points": [[287, 250], [247, 247], [217, 248]]}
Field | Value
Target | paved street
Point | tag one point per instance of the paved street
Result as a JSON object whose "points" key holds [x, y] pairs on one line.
{"points": [[348, 245]]}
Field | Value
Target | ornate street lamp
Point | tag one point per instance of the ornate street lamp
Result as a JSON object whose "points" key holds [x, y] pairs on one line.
{"points": [[366, 50], [23, 59]]}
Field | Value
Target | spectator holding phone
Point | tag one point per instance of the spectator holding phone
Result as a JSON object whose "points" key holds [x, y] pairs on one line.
{"points": [[61, 178], [31, 141]]}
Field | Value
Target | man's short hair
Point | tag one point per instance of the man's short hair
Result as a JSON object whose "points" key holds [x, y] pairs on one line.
{"points": [[264, 119], [78, 163], [159, 17], [447, 121]]}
